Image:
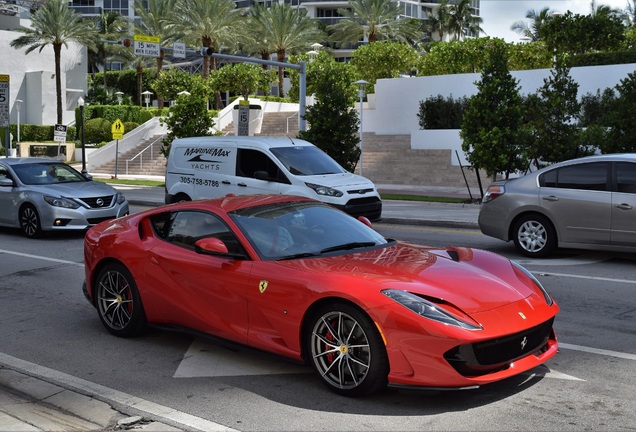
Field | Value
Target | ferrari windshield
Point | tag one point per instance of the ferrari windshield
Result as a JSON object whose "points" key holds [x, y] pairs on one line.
{"points": [[307, 160], [304, 229], [47, 173]]}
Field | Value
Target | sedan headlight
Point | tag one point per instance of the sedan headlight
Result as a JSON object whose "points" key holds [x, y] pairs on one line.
{"points": [[120, 198], [548, 298], [427, 309], [61, 202], [324, 190]]}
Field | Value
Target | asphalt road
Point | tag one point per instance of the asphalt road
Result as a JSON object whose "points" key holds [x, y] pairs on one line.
{"points": [[49, 327]]}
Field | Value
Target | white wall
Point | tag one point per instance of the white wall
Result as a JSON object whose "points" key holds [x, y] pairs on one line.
{"points": [[398, 99]]}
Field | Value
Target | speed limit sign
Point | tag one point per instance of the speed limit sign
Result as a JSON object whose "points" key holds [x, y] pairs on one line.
{"points": [[4, 100]]}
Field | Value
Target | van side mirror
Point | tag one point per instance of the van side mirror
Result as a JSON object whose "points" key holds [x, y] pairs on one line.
{"points": [[365, 221], [261, 175]]}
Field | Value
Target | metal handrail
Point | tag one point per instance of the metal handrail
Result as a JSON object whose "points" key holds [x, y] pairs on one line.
{"points": [[289, 118], [140, 155]]}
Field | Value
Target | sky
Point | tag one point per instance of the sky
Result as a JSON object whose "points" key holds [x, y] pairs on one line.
{"points": [[499, 15]]}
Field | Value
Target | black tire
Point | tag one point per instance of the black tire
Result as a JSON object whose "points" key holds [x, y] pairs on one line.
{"points": [[534, 236], [30, 224], [182, 198], [347, 351], [118, 302]]}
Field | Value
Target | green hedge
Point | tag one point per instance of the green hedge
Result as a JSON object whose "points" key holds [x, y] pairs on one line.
{"points": [[125, 113], [37, 133], [603, 58]]}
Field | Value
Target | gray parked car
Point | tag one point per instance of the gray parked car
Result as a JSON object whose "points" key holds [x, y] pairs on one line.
{"points": [[587, 203], [39, 195]]}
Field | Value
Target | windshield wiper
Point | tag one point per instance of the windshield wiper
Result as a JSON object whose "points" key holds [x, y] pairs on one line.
{"points": [[347, 246], [298, 256]]}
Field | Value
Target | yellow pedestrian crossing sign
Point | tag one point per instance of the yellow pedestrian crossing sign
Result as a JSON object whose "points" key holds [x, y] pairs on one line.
{"points": [[118, 130]]}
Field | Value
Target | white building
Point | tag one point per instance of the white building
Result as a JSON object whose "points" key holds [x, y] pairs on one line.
{"points": [[32, 76]]}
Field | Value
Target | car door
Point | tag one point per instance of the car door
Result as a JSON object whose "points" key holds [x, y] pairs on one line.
{"points": [[624, 205], [198, 291], [579, 201], [8, 199], [250, 162]]}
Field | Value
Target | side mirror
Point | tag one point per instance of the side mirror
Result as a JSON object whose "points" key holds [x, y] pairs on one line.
{"points": [[261, 175], [365, 221], [6, 182], [88, 177], [211, 246]]}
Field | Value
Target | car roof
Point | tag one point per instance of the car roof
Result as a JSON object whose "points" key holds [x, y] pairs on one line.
{"points": [[27, 160], [254, 141], [630, 157]]}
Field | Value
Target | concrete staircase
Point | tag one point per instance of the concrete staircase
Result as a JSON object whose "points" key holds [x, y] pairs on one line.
{"points": [[389, 159], [277, 124], [144, 159]]}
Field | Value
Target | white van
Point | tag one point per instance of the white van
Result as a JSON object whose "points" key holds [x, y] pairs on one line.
{"points": [[208, 167]]}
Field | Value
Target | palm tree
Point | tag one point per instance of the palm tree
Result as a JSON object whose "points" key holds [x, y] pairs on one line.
{"points": [[373, 20], [283, 29], [439, 19], [538, 20], [111, 26], [207, 23], [57, 25], [463, 21], [154, 20]]}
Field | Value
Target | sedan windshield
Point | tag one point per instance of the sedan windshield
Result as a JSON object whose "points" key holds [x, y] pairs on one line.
{"points": [[307, 160], [304, 229], [47, 173]]}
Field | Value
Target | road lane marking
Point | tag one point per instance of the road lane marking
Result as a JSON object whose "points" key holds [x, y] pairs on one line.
{"points": [[110, 396], [546, 372], [599, 351], [597, 278], [80, 264]]}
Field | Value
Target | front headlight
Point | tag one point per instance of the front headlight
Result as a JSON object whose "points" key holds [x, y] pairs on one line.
{"points": [[324, 190], [61, 202], [548, 298], [427, 309], [120, 198]]}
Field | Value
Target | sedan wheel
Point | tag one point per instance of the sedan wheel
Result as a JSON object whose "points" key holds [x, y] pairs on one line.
{"points": [[534, 236], [30, 222], [118, 301], [347, 350]]}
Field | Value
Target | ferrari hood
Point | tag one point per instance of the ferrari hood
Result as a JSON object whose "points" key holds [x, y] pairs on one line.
{"points": [[471, 279]]}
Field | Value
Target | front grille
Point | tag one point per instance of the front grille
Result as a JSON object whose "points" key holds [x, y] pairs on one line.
{"points": [[107, 201], [490, 356], [360, 191], [370, 207], [95, 221]]}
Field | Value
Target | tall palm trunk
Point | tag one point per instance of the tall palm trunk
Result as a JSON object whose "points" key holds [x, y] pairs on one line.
{"points": [[159, 68], [57, 50], [281, 58]]}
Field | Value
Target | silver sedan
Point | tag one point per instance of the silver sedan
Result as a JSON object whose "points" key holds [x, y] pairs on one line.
{"points": [[38, 195], [586, 203]]}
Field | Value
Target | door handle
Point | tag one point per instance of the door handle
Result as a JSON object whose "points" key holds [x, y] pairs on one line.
{"points": [[551, 198], [241, 184], [623, 206], [154, 261], [226, 182]]}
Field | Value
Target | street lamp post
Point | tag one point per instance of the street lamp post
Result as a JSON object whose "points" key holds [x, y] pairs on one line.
{"points": [[147, 97], [80, 102], [18, 104], [120, 96], [362, 84]]}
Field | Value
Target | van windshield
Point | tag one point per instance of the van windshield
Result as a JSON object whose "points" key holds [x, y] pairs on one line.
{"points": [[307, 160]]}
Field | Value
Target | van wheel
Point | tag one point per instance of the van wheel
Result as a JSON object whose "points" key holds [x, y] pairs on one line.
{"points": [[182, 198]]}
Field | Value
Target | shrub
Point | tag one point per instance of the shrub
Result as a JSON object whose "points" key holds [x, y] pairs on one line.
{"points": [[97, 130]]}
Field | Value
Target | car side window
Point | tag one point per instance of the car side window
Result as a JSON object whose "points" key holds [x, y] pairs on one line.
{"points": [[250, 161], [626, 177], [590, 176], [185, 228]]}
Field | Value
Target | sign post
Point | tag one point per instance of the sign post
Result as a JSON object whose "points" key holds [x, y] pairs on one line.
{"points": [[59, 135], [118, 133], [244, 118], [4, 110]]}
